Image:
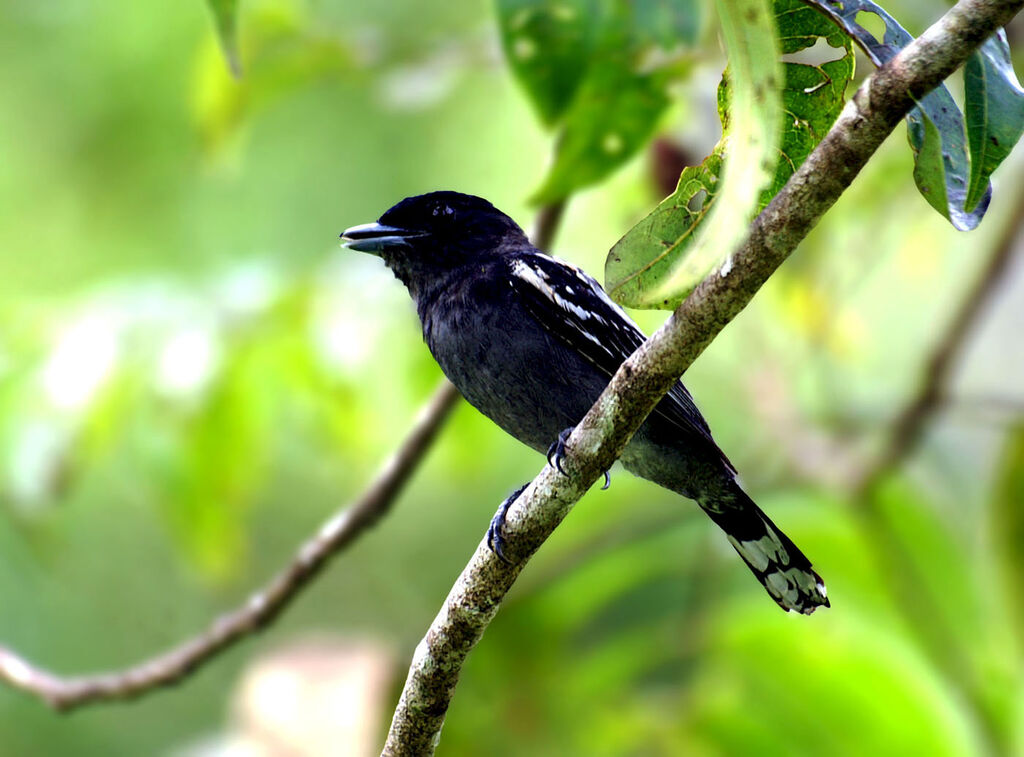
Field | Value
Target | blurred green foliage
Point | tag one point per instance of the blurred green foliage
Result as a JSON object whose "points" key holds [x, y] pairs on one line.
{"points": [[193, 376], [598, 72]]}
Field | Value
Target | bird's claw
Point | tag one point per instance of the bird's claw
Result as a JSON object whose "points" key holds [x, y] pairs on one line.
{"points": [[495, 541], [556, 452]]}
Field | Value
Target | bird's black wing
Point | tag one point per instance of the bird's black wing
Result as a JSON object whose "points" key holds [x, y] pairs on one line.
{"points": [[572, 306]]}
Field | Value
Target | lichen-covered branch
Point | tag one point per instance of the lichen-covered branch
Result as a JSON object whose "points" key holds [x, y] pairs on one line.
{"points": [[262, 607], [643, 379]]}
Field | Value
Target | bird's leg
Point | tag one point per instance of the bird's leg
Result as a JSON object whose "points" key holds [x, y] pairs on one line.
{"points": [[556, 453], [495, 541]]}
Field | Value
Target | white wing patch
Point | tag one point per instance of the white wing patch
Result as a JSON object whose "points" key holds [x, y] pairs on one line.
{"points": [[574, 308], [568, 299], [532, 274], [559, 295]]}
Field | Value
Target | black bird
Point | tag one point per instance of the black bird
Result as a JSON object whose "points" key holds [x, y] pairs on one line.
{"points": [[531, 342]]}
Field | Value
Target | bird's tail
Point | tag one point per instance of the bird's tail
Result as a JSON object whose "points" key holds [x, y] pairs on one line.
{"points": [[781, 568]]}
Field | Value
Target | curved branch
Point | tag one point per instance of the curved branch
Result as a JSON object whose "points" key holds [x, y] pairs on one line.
{"points": [[875, 110], [263, 606]]}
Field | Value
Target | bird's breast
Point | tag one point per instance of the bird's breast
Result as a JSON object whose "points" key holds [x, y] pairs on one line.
{"points": [[508, 367]]}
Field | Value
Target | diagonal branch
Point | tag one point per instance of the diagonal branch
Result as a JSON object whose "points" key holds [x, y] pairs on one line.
{"points": [[875, 110]]}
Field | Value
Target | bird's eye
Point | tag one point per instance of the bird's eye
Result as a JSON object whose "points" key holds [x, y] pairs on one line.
{"points": [[443, 210]]}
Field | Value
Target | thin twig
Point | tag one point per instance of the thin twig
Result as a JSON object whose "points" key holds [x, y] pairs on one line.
{"points": [[876, 108], [262, 607], [834, 459], [911, 590], [910, 423], [549, 218]]}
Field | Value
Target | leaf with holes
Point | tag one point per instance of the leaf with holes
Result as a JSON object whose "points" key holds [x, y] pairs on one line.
{"points": [[813, 92], [225, 16], [608, 104], [659, 261], [954, 184]]}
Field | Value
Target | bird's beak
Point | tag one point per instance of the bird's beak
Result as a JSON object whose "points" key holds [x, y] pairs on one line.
{"points": [[375, 237]]}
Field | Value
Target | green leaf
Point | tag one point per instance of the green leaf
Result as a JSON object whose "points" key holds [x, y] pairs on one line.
{"points": [[659, 261], [548, 46], [612, 117], [994, 104], [943, 171], [283, 53], [935, 131], [604, 86], [225, 16], [812, 95]]}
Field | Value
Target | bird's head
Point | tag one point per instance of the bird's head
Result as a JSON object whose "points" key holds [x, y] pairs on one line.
{"points": [[425, 237]]}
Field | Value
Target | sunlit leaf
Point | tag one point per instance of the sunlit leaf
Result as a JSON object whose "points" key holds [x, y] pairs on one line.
{"points": [[659, 261], [225, 16], [282, 56], [994, 104]]}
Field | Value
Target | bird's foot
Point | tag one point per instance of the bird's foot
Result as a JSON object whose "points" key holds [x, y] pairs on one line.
{"points": [[556, 453], [495, 541]]}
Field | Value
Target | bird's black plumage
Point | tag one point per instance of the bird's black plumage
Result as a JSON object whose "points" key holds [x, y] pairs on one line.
{"points": [[531, 341]]}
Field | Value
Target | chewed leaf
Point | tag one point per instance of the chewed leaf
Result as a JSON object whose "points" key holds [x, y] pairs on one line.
{"points": [[813, 94], [754, 112], [649, 252], [954, 184], [994, 103], [225, 16]]}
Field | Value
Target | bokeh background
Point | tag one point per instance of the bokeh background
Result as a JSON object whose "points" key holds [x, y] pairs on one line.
{"points": [[193, 376]]}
